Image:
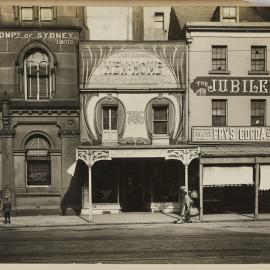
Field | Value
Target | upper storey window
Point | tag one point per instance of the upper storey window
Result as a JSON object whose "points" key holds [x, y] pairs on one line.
{"points": [[219, 58], [27, 14], [229, 14], [31, 13], [258, 58], [37, 76], [159, 20], [160, 119], [46, 13]]}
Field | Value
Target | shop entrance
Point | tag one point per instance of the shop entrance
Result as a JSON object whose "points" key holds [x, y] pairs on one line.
{"points": [[134, 191]]}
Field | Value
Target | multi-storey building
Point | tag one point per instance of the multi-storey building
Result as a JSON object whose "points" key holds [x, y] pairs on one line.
{"points": [[132, 93], [40, 105], [228, 105], [160, 97]]}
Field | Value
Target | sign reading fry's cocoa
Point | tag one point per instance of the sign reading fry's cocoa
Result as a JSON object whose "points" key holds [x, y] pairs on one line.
{"points": [[230, 134], [231, 86]]}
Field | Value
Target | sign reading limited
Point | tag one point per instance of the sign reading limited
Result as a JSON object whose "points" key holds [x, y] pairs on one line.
{"points": [[232, 86], [231, 134]]}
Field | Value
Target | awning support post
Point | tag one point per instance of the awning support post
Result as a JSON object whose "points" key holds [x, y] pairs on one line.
{"points": [[201, 192], [257, 176], [186, 176], [90, 217]]}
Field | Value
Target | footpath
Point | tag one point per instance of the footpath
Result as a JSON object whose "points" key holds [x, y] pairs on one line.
{"points": [[121, 219]]}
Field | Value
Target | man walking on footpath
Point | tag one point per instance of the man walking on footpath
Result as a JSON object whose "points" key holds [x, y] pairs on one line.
{"points": [[6, 208], [184, 202]]}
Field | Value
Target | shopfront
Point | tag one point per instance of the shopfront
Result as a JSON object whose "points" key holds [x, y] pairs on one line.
{"points": [[133, 126]]}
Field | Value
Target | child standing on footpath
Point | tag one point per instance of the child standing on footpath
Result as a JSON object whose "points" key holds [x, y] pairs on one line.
{"points": [[6, 208]]}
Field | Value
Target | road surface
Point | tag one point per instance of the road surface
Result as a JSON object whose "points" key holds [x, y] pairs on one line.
{"points": [[228, 242]]}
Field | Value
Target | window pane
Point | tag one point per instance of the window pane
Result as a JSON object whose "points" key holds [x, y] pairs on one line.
{"points": [[219, 57], [257, 112], [46, 14], [159, 20], [38, 172], [113, 112], [219, 112], [258, 56], [160, 113], [106, 118], [27, 13], [114, 123], [160, 127], [43, 88]]}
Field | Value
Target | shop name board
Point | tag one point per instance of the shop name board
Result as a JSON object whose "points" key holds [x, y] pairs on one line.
{"points": [[60, 37], [134, 68], [127, 69], [232, 86], [230, 134]]}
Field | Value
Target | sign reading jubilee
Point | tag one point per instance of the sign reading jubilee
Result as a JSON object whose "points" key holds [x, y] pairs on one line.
{"points": [[231, 86]]}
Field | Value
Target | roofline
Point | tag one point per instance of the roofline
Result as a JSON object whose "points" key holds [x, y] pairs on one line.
{"points": [[220, 26]]}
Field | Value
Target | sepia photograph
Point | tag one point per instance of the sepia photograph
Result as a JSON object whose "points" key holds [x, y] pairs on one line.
{"points": [[135, 132]]}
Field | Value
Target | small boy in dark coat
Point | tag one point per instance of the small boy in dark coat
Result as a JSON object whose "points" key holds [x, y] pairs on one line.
{"points": [[6, 208]]}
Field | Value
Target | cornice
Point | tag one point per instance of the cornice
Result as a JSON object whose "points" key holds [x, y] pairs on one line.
{"points": [[227, 27]]}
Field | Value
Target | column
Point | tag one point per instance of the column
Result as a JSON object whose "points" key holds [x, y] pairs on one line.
{"points": [[186, 176], [201, 192], [257, 176], [90, 217]]}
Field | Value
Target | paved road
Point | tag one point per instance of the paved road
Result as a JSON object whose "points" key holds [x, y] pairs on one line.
{"points": [[246, 242]]}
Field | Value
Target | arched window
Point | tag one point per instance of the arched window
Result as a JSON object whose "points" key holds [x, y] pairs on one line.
{"points": [[38, 164], [37, 79]]}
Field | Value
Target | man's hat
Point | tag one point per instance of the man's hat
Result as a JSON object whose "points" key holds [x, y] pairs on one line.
{"points": [[183, 189]]}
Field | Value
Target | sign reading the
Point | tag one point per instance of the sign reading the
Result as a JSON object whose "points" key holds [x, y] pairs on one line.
{"points": [[60, 37], [230, 134], [135, 117], [231, 86]]}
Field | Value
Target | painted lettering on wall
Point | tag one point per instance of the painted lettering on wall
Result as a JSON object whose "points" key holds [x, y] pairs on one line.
{"points": [[132, 68], [60, 37], [230, 134], [232, 86], [135, 117]]}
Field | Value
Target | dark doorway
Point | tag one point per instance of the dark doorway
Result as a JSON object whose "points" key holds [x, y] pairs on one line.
{"points": [[134, 191]]}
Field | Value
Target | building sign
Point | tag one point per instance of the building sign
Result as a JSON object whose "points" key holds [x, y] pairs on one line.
{"points": [[230, 134], [231, 86], [135, 117], [59, 37], [132, 66]]}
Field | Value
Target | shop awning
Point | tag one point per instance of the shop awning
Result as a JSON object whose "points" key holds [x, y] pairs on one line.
{"points": [[234, 150], [221, 175], [265, 177]]}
